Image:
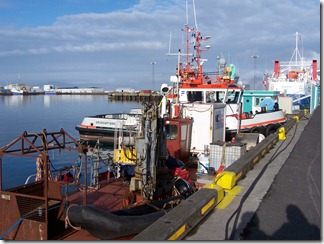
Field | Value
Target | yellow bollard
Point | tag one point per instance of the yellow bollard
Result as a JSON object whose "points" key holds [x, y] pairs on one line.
{"points": [[282, 133], [296, 118], [305, 112]]}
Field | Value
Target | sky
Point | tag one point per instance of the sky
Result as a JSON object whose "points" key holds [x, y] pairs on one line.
{"points": [[124, 44]]}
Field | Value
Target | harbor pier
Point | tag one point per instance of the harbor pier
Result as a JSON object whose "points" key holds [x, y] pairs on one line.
{"points": [[134, 96]]}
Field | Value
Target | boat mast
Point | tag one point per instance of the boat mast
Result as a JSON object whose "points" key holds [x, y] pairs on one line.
{"points": [[187, 30], [193, 76], [296, 53]]}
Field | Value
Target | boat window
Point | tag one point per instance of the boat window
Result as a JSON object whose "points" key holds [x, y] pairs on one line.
{"points": [[220, 96], [194, 96], [215, 96], [188, 138], [183, 132], [233, 96], [210, 97], [172, 131]]}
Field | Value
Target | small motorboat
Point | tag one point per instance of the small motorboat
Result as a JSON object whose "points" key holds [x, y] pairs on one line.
{"points": [[106, 127]]}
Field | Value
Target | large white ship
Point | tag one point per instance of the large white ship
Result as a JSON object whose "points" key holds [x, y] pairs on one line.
{"points": [[294, 78]]}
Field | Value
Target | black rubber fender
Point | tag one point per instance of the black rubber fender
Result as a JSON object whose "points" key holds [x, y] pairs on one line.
{"points": [[107, 225], [258, 129], [271, 129]]}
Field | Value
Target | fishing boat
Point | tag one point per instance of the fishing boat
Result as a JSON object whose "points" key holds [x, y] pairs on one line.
{"points": [[294, 78], [17, 91], [5, 91], [122, 195], [192, 85], [107, 127]]}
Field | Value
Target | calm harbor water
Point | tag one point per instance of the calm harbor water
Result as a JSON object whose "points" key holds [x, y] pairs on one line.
{"points": [[51, 112]]}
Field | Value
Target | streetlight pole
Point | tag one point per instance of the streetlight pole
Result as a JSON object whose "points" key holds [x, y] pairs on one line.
{"points": [[153, 63], [254, 65]]}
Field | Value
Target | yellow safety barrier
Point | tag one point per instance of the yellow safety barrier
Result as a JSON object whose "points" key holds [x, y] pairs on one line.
{"points": [[225, 179]]}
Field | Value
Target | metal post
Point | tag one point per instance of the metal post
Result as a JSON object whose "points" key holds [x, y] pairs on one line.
{"points": [[46, 178], [1, 172], [254, 57], [239, 108], [85, 179], [153, 63]]}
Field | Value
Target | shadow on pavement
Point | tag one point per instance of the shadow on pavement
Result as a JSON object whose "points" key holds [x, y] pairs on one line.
{"points": [[297, 227]]}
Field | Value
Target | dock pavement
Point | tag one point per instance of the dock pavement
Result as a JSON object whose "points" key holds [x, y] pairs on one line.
{"points": [[280, 198]]}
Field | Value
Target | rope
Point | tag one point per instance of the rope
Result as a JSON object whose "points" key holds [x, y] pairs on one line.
{"points": [[223, 162], [155, 207], [67, 220]]}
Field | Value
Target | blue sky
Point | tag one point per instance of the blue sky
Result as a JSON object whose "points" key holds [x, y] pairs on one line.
{"points": [[111, 43], [33, 13]]}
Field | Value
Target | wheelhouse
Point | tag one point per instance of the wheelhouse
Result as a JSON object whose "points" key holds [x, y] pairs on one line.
{"points": [[206, 95]]}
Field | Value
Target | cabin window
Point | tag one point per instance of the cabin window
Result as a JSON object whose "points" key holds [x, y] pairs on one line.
{"points": [[210, 97], [233, 96], [215, 96], [183, 132], [172, 131], [195, 96], [220, 96], [188, 138]]}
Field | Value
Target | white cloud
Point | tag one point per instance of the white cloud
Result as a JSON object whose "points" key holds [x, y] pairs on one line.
{"points": [[90, 45]]}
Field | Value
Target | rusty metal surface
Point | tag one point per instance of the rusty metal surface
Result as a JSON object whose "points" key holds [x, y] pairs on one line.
{"points": [[31, 144], [33, 211], [108, 197], [34, 225], [37, 210]]}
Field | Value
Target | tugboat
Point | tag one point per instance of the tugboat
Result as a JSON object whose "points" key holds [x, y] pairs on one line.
{"points": [[191, 85]]}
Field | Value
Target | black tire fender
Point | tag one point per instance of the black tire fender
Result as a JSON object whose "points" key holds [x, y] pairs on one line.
{"points": [[255, 130], [271, 129], [258, 129]]}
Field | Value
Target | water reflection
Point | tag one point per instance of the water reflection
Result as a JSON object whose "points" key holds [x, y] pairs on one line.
{"points": [[15, 100], [51, 112], [47, 100]]}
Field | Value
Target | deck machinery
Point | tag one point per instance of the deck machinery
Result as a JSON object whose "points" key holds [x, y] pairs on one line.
{"points": [[160, 138]]}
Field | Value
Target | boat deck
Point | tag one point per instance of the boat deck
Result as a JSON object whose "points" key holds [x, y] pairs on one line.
{"points": [[108, 198], [114, 196]]}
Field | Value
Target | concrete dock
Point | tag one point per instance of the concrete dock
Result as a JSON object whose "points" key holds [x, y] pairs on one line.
{"points": [[279, 199]]}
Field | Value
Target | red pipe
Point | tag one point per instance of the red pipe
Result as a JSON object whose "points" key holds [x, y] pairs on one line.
{"points": [[314, 70]]}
